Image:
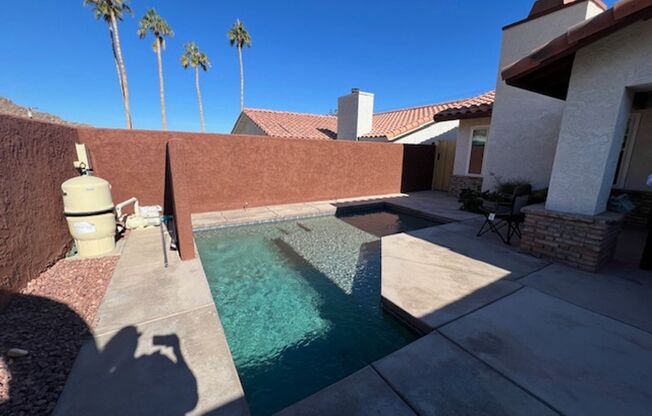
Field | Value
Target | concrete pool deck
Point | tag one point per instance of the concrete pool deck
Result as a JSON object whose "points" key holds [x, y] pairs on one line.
{"points": [[506, 333], [158, 346]]}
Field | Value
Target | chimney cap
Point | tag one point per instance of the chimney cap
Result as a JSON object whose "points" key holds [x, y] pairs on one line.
{"points": [[355, 90]]}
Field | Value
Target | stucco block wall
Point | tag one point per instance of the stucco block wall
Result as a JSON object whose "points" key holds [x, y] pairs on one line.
{"points": [[36, 158], [133, 161], [237, 171], [525, 125], [600, 94], [233, 172]]}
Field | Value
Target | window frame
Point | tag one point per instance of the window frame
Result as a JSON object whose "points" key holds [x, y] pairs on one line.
{"points": [[470, 147], [633, 123]]}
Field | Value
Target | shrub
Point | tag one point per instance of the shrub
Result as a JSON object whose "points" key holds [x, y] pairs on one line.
{"points": [[539, 196], [509, 187], [470, 199]]}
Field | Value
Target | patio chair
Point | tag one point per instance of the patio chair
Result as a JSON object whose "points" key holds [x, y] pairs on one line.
{"points": [[505, 213]]}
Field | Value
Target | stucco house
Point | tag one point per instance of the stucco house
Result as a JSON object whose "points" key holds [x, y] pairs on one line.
{"points": [[572, 113], [356, 120]]}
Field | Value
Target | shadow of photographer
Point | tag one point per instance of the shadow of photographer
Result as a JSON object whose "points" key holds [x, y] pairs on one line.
{"points": [[126, 373]]}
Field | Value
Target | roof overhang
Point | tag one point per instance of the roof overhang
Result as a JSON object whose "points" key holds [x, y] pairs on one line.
{"points": [[464, 114], [547, 70], [545, 7]]}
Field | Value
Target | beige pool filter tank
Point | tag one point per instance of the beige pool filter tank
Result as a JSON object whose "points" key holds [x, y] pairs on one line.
{"points": [[89, 210]]}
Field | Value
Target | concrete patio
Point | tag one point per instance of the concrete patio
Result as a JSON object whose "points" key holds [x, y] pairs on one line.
{"points": [[158, 336], [506, 333]]}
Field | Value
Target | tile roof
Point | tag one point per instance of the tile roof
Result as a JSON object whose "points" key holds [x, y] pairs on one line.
{"points": [[288, 124], [547, 69], [480, 106], [390, 124]]}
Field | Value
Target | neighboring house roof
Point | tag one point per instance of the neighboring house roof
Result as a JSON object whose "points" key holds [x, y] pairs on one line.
{"points": [[9, 107], [544, 7], [480, 106], [547, 70], [387, 124], [288, 124]]}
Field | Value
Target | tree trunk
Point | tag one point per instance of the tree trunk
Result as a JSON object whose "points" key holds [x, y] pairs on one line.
{"points": [[160, 83], [123, 71], [241, 79], [115, 60], [201, 107]]}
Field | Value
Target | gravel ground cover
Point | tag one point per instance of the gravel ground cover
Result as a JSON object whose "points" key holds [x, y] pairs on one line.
{"points": [[49, 319]]}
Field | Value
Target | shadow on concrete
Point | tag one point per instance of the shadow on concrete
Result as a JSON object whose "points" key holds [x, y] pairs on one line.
{"points": [[117, 380], [113, 380]]}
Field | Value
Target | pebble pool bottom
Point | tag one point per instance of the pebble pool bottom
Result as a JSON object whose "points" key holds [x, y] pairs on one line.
{"points": [[300, 301]]}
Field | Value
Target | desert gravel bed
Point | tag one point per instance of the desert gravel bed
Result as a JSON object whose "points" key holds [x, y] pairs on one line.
{"points": [[49, 319]]}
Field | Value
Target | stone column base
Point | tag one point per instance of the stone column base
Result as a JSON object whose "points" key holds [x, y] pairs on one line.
{"points": [[459, 182], [582, 241]]}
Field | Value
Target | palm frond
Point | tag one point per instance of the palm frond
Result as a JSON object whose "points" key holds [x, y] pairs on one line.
{"points": [[194, 57], [102, 9], [154, 23], [238, 35]]}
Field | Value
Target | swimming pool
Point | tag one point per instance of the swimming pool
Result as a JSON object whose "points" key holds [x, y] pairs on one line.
{"points": [[300, 301]]}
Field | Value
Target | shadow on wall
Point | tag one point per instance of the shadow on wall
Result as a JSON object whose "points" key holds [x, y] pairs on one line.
{"points": [[418, 167], [450, 135], [115, 379]]}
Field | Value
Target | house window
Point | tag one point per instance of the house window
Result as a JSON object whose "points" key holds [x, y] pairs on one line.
{"points": [[476, 155]]}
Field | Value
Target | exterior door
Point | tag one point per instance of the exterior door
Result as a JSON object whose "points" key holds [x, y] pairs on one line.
{"points": [[444, 161]]}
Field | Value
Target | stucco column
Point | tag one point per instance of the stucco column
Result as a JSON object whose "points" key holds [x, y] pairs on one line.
{"points": [[590, 138]]}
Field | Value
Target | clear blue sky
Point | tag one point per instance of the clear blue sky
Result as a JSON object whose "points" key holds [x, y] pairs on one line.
{"points": [[305, 53]]}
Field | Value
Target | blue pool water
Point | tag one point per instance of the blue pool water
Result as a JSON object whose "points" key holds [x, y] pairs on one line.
{"points": [[300, 301]]}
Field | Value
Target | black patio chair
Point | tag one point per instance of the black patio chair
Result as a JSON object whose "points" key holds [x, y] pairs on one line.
{"points": [[505, 212]]}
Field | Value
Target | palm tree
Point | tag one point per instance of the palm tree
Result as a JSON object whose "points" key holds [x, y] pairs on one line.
{"points": [[195, 58], [154, 23], [239, 37], [111, 11]]}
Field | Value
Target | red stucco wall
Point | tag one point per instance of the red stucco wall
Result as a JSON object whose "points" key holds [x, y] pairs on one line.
{"points": [[36, 158], [133, 161], [230, 172], [233, 171], [210, 172]]}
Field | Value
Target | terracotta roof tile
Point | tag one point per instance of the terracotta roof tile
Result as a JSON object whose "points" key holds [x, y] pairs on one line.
{"points": [[390, 124], [480, 106], [297, 125]]}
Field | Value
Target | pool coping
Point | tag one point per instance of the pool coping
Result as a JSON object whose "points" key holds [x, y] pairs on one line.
{"points": [[279, 213]]}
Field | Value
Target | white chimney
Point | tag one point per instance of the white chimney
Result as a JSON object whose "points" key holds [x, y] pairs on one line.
{"points": [[355, 114]]}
